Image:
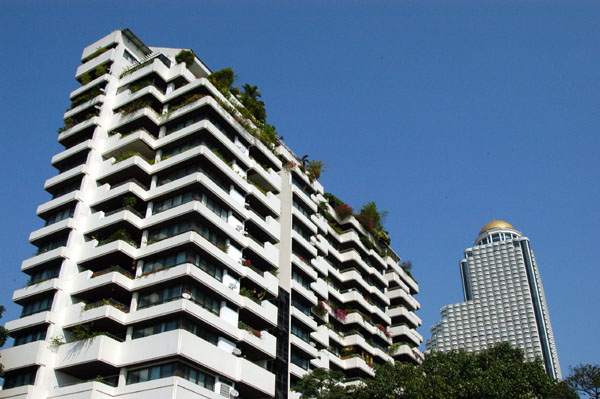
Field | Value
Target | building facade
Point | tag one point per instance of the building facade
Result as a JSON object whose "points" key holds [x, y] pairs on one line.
{"points": [[182, 256], [504, 300]]}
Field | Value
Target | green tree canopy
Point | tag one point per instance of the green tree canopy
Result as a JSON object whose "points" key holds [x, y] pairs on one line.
{"points": [[322, 384], [500, 372], [585, 378]]}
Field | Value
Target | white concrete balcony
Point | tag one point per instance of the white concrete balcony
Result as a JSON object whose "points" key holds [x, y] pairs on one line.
{"points": [[321, 335], [99, 221], [320, 287], [59, 201], [305, 243], [75, 314], [78, 128], [404, 296], [85, 390], [22, 392], [305, 267], [267, 251], [62, 177], [269, 176], [127, 96], [308, 223], [406, 351], [61, 156], [91, 250], [31, 320], [94, 62], [106, 41], [304, 346], [303, 318], [155, 66], [105, 193], [320, 361], [307, 294], [414, 287], [402, 312], [53, 228], [31, 354], [320, 221], [179, 343], [360, 341], [306, 200], [402, 330], [98, 349], [119, 120], [86, 281], [108, 168], [265, 310], [394, 280], [268, 225], [196, 239], [321, 265], [43, 258], [320, 243], [267, 281], [267, 343], [297, 370], [23, 294], [358, 363], [96, 82], [99, 99], [269, 200], [140, 141]]}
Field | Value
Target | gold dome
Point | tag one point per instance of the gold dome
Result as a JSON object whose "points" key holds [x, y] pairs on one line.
{"points": [[496, 224]]}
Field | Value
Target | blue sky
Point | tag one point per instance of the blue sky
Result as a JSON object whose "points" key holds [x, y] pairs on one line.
{"points": [[448, 114]]}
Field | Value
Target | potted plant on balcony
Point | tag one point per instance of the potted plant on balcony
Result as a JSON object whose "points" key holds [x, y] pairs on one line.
{"points": [[320, 310]]}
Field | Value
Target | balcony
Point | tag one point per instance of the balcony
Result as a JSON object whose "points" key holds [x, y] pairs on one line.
{"points": [[31, 354]]}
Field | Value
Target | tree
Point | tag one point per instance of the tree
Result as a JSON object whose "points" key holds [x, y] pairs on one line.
{"points": [[496, 373], [3, 337], [585, 378], [251, 91], [322, 384]]}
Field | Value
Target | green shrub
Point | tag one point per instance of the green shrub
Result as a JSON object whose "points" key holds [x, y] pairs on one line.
{"points": [[222, 79], [185, 56], [85, 78]]}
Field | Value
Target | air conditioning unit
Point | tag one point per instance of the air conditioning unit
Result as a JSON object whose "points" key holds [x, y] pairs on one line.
{"points": [[246, 205]]}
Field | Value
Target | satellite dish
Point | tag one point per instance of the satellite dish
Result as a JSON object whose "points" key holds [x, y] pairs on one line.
{"points": [[186, 295], [236, 351], [234, 393]]}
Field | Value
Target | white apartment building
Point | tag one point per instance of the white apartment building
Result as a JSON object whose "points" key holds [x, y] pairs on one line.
{"points": [[183, 257], [504, 300]]}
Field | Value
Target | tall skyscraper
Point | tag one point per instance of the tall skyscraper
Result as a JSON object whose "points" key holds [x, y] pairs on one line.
{"points": [[504, 300], [187, 253]]}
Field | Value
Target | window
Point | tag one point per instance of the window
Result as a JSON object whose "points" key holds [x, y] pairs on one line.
{"points": [[175, 201], [31, 336], [173, 369], [300, 208], [301, 306], [300, 230], [188, 170], [19, 379], [183, 123], [185, 226], [60, 215], [177, 323], [176, 258], [49, 246], [44, 274], [37, 306], [301, 279], [300, 361], [181, 148], [300, 332], [167, 294], [129, 57], [67, 189]]}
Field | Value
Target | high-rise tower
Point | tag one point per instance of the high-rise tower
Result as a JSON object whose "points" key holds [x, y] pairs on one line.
{"points": [[187, 253], [504, 300]]}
